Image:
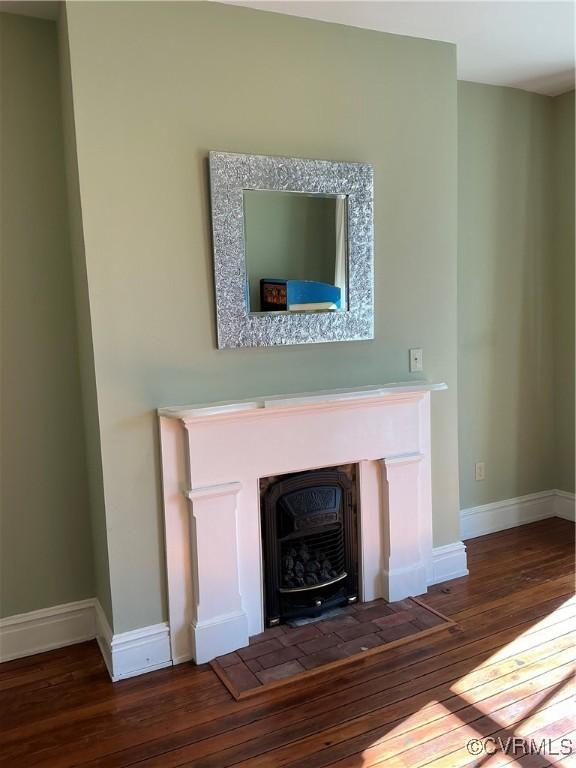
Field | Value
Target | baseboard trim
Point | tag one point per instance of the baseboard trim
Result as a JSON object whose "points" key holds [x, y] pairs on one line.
{"points": [[35, 632], [565, 505], [140, 651], [218, 636], [133, 653], [509, 513], [126, 654], [448, 562]]}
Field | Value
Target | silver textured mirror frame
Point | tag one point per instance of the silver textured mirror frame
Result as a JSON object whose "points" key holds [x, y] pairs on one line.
{"points": [[230, 175]]}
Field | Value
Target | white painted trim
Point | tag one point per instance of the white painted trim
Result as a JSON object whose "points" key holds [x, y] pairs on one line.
{"points": [[132, 653], [140, 651], [564, 505], [125, 655], [509, 513], [210, 491], [37, 631], [403, 458], [218, 636], [400, 583], [408, 540], [449, 562], [315, 399]]}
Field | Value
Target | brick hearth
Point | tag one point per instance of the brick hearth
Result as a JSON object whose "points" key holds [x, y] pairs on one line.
{"points": [[281, 653]]}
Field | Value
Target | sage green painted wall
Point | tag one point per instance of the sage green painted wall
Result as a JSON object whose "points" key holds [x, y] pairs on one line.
{"points": [[290, 236], [102, 589], [505, 292], [45, 556], [564, 289], [155, 87]]}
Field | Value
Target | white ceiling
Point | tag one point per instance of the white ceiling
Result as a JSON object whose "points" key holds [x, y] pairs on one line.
{"points": [[519, 43]]}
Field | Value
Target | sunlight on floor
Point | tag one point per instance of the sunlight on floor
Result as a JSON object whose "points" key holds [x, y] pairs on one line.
{"points": [[519, 700], [521, 650], [526, 640]]}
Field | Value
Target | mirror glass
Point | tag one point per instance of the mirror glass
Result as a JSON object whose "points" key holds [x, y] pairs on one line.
{"points": [[296, 251]]}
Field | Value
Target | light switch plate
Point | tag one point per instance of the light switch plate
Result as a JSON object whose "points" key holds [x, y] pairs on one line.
{"points": [[480, 470], [416, 360]]}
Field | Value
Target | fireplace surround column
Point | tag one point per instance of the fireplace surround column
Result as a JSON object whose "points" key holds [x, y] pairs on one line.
{"points": [[220, 624], [407, 547]]}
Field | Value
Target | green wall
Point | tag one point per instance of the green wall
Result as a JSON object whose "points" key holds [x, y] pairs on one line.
{"points": [[84, 331], [45, 556], [107, 294], [155, 87], [288, 235], [515, 297], [564, 289], [107, 302]]}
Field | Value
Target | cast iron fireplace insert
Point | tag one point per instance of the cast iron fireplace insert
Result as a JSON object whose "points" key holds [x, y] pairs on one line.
{"points": [[309, 544]]}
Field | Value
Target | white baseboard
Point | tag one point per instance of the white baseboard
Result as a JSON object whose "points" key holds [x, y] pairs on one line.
{"points": [[398, 583], [125, 655], [448, 562], [565, 505], [140, 651], [132, 653], [501, 515], [219, 636], [44, 630]]}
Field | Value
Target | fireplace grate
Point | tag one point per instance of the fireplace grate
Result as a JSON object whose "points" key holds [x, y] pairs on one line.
{"points": [[313, 560]]}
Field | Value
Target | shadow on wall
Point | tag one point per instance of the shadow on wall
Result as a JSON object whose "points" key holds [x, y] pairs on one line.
{"points": [[506, 362], [532, 192]]}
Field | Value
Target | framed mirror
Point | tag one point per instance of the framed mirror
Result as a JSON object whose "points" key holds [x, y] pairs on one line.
{"points": [[293, 250]]}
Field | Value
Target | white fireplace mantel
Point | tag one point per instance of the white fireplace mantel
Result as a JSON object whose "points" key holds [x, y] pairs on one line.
{"points": [[213, 457], [329, 396]]}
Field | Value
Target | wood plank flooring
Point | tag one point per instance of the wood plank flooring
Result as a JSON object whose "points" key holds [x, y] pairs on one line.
{"points": [[505, 672]]}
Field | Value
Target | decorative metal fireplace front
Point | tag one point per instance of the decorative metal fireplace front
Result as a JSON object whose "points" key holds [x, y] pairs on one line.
{"points": [[310, 548]]}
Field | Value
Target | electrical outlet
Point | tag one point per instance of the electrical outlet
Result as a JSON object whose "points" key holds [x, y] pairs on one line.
{"points": [[415, 360], [480, 470]]}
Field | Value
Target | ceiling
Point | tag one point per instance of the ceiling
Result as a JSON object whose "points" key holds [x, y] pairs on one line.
{"points": [[522, 44], [42, 9], [518, 43]]}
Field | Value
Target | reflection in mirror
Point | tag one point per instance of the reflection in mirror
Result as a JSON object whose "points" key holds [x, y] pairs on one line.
{"points": [[296, 251]]}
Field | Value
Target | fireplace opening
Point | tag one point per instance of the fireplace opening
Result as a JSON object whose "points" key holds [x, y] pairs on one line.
{"points": [[310, 551]]}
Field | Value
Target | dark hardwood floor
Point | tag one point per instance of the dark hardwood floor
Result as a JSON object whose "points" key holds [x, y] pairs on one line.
{"points": [[504, 672]]}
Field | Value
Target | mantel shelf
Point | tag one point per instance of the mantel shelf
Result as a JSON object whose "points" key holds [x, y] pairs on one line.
{"points": [[300, 399]]}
